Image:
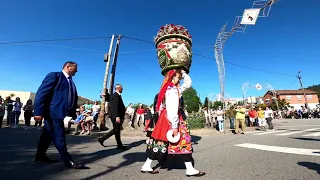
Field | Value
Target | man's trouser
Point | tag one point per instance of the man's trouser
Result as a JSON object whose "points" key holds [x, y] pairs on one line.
{"points": [[241, 123]]}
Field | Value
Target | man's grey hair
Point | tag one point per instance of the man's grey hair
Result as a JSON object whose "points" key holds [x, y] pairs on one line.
{"points": [[69, 63], [117, 86]]}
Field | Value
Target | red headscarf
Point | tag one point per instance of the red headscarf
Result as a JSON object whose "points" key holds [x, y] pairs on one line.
{"points": [[164, 88]]}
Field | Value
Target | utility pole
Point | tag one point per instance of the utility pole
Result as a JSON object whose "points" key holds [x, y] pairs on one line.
{"points": [[104, 93], [114, 65], [304, 93]]}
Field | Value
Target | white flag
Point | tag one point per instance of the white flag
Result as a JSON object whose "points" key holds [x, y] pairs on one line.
{"points": [[250, 16], [258, 86]]}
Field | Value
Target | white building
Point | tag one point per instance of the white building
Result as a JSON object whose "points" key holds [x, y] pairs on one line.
{"points": [[24, 97]]}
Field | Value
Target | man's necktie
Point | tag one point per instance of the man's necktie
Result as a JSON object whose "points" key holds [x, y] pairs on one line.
{"points": [[71, 93]]}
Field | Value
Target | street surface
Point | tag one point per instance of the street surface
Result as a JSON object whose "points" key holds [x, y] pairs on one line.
{"points": [[291, 152]]}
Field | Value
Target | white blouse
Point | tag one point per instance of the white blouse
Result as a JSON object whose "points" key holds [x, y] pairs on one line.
{"points": [[173, 99]]}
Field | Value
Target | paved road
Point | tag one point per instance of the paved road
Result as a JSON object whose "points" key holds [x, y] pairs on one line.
{"points": [[292, 151]]}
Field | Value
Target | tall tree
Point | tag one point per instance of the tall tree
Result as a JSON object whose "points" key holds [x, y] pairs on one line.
{"points": [[207, 103], [216, 104], [191, 100], [282, 103]]}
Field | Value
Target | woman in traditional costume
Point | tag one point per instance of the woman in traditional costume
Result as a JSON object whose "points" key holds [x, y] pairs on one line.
{"points": [[171, 120]]}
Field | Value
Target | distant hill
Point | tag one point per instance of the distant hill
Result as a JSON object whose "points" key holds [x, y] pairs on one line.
{"points": [[315, 88], [82, 100]]}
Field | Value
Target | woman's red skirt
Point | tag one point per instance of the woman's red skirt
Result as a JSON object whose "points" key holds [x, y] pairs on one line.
{"points": [[162, 127]]}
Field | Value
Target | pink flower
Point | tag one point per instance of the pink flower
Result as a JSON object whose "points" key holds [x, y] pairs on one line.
{"points": [[188, 139]]}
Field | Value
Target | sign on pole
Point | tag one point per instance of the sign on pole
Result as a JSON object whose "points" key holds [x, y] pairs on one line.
{"points": [[250, 16], [258, 87]]}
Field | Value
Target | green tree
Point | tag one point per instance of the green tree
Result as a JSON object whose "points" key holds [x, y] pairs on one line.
{"points": [[216, 104], [263, 106], [206, 103], [191, 100], [282, 103]]}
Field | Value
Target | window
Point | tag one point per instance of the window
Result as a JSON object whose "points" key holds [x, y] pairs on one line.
{"points": [[288, 98], [299, 97], [309, 97]]}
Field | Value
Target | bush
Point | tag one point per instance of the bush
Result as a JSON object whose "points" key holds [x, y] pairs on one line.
{"points": [[196, 120]]}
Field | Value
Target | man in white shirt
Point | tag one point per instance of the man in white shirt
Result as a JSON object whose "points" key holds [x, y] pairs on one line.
{"points": [[268, 114], [130, 112], [220, 119], [96, 110]]}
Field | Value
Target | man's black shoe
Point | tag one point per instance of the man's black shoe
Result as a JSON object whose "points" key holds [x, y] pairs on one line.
{"points": [[74, 165], [101, 142]]}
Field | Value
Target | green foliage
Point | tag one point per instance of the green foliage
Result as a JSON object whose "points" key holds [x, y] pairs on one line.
{"points": [[135, 106], [82, 100], [216, 104], [282, 103], [315, 88], [196, 120], [263, 106], [207, 103], [191, 100]]}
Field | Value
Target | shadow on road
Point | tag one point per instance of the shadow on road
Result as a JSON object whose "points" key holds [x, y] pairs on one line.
{"points": [[18, 148], [310, 165], [307, 139], [130, 158]]}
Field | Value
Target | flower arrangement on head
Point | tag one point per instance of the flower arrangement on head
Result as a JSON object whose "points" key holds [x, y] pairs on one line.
{"points": [[171, 29], [173, 43]]}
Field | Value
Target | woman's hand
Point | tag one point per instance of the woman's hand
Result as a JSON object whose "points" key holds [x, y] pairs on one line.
{"points": [[175, 132]]}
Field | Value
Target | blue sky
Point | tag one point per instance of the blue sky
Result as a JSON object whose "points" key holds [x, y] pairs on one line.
{"points": [[285, 42]]}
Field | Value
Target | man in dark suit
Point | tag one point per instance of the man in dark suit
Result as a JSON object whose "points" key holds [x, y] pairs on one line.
{"points": [[117, 112], [55, 99]]}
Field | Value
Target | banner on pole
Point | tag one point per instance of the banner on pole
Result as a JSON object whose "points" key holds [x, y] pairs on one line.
{"points": [[258, 86], [250, 16]]}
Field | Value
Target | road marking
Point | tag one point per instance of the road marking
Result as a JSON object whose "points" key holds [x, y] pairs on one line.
{"points": [[296, 131], [299, 126], [270, 132], [288, 150], [313, 134], [250, 132]]}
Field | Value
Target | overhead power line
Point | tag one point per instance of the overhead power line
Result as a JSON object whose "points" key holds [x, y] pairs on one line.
{"points": [[231, 63], [54, 40]]}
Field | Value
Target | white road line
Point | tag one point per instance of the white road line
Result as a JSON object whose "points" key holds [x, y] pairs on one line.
{"points": [[270, 132], [313, 134], [296, 131], [250, 132], [299, 126], [293, 131], [308, 152]]}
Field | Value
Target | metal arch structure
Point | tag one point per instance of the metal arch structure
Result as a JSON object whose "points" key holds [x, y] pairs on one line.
{"points": [[223, 35]]}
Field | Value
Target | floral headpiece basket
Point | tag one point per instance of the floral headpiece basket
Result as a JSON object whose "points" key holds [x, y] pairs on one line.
{"points": [[173, 43]]}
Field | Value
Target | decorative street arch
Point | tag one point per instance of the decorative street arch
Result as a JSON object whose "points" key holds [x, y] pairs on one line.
{"points": [[260, 8]]}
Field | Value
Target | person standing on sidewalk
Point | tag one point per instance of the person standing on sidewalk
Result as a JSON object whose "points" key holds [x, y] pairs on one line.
{"points": [[240, 119], [28, 113], [9, 107], [220, 119], [17, 111], [231, 114], [261, 119], [2, 111], [269, 117], [147, 119]]}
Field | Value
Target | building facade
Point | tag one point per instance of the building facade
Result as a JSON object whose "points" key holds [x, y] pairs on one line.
{"points": [[294, 97]]}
